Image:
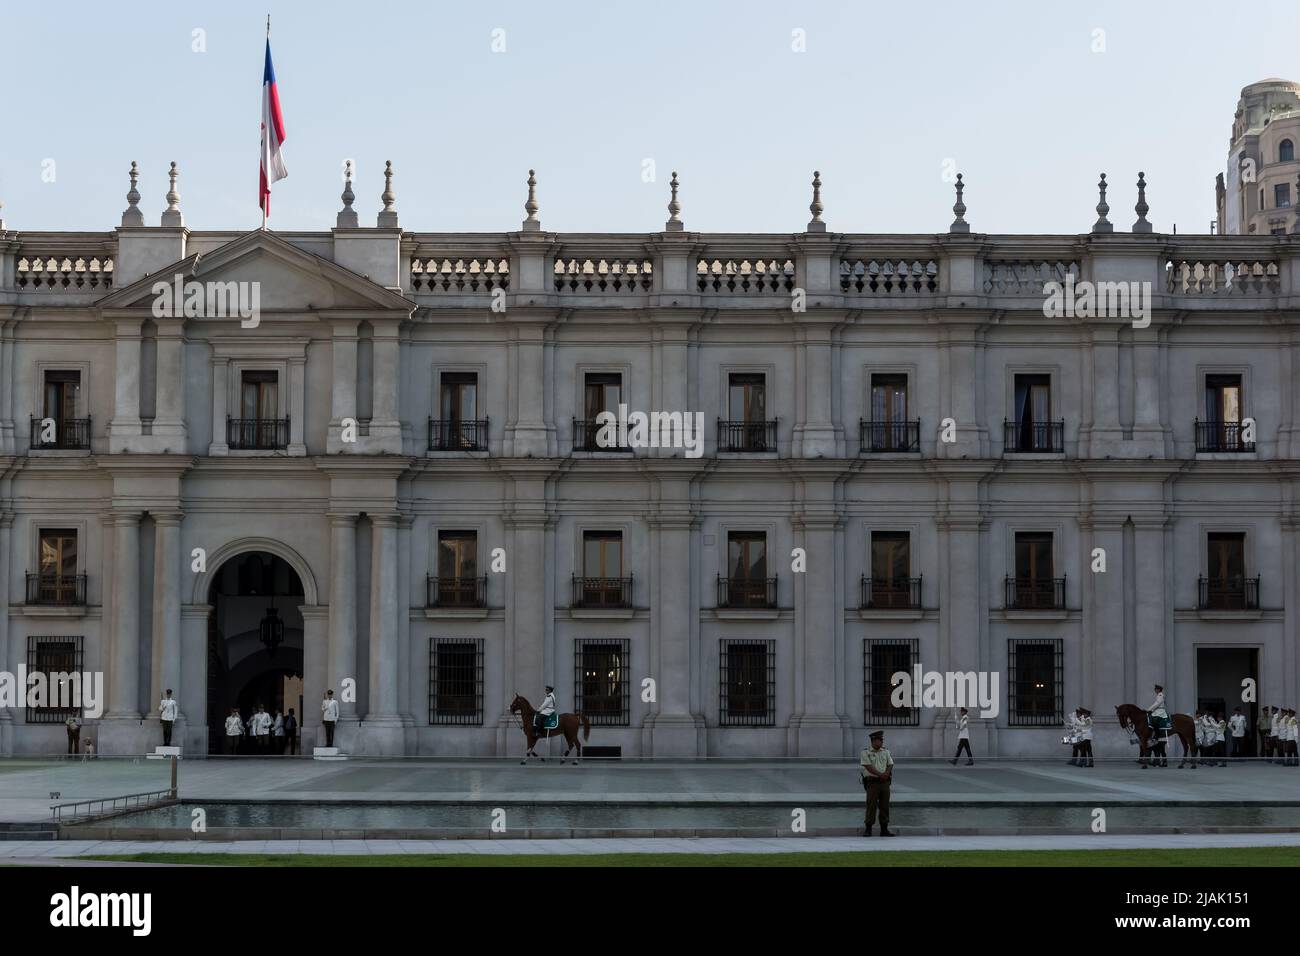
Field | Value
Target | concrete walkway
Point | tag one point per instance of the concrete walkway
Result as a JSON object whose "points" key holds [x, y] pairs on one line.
{"points": [[15, 852], [28, 788]]}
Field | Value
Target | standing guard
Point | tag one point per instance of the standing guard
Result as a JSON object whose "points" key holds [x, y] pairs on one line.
{"points": [[877, 775]]}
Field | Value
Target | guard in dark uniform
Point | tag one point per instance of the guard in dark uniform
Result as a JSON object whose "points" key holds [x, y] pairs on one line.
{"points": [[877, 775]]}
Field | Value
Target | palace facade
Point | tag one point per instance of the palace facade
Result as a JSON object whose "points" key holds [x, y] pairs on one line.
{"points": [[389, 479]]}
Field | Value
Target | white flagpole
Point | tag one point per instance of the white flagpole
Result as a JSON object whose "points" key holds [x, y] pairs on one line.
{"points": [[267, 172]]}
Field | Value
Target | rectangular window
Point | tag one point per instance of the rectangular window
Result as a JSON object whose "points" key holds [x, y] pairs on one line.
{"points": [[58, 552], [747, 398], [882, 659], [259, 395], [458, 426], [58, 658], [603, 681], [602, 583], [1034, 428], [1226, 586], [891, 584], [1034, 685], [457, 584], [747, 692], [62, 395], [1034, 585], [889, 398], [747, 583], [1227, 557], [603, 393], [456, 682], [1282, 195]]}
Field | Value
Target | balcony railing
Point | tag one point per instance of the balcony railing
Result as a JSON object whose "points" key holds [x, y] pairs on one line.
{"points": [[456, 592], [68, 433], [1034, 437], [587, 436], [876, 437], [454, 435], [1035, 594], [747, 436], [601, 592], [891, 593], [747, 592], [1227, 594], [257, 433], [57, 590], [1224, 437]]}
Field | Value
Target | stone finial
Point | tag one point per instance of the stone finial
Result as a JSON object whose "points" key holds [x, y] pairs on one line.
{"points": [[347, 217], [815, 207], [1102, 224], [131, 215], [172, 214], [674, 223], [1142, 208], [387, 215], [532, 223], [959, 210]]}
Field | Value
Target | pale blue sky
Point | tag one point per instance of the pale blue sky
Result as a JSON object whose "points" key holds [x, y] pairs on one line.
{"points": [[585, 92]]}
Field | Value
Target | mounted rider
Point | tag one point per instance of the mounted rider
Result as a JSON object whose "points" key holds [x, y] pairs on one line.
{"points": [[1157, 716], [545, 711]]}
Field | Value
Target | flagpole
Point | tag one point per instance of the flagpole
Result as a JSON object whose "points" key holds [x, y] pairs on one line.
{"points": [[268, 40]]}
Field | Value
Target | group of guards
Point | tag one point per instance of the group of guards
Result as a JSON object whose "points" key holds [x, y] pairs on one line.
{"points": [[1279, 731]]}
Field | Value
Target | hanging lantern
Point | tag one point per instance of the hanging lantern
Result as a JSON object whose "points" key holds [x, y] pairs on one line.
{"points": [[272, 630]]}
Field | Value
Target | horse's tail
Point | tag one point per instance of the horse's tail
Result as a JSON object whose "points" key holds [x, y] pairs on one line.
{"points": [[586, 727]]}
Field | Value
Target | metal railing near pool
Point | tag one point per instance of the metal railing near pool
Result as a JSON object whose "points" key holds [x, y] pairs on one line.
{"points": [[62, 812]]}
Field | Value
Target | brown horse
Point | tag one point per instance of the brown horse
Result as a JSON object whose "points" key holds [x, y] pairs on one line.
{"points": [[1134, 718], [568, 726]]}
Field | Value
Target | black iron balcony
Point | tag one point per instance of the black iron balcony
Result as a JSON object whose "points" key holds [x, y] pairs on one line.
{"points": [[891, 593], [457, 592], [455, 435], [877, 437], [1224, 437], [747, 436], [601, 592], [61, 432], [747, 592], [1041, 438], [1036, 594], [587, 436], [261, 434], [57, 590], [1227, 594]]}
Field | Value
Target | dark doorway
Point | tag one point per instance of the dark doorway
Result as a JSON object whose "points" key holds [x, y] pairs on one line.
{"points": [[255, 642], [1220, 672]]}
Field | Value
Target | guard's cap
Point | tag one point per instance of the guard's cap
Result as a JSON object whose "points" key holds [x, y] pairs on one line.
{"points": [[878, 735]]}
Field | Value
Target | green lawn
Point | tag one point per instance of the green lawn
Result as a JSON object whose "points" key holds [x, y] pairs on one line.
{"points": [[1244, 856]]}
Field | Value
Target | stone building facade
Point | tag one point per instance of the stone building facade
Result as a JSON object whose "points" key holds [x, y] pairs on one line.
{"points": [[906, 461]]}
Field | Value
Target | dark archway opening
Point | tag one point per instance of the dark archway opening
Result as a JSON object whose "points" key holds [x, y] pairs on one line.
{"points": [[255, 643]]}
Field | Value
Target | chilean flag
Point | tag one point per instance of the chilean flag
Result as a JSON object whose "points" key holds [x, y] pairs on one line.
{"points": [[272, 136]]}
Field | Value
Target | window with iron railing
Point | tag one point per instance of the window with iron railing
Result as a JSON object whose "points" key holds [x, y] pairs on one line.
{"points": [[1034, 684], [1226, 587], [1222, 429], [58, 659], [457, 583], [747, 583], [747, 683], [747, 427], [456, 681], [602, 681], [1033, 429], [1034, 586], [61, 425], [882, 659]]}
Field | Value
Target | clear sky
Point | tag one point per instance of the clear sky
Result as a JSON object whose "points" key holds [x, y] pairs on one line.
{"points": [[883, 93]]}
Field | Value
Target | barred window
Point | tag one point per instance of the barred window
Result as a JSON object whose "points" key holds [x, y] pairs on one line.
{"points": [[881, 660], [59, 659], [1034, 683], [602, 681], [747, 683], [456, 682]]}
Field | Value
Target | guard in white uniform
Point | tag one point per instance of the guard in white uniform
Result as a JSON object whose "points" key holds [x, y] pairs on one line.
{"points": [[1085, 737], [544, 711], [168, 708]]}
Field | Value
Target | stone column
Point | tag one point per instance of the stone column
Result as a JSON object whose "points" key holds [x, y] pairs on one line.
{"points": [[343, 401], [672, 729], [815, 436], [167, 619], [169, 411], [220, 371], [1148, 428], [385, 424], [1102, 686], [192, 691], [1103, 433], [405, 705], [6, 717], [120, 730], [125, 426], [960, 398], [527, 433], [816, 729], [8, 432], [529, 617], [343, 617], [315, 666], [1155, 664], [297, 406], [383, 726]]}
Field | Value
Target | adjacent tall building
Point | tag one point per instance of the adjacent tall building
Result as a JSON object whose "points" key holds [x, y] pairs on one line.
{"points": [[372, 459], [1260, 192]]}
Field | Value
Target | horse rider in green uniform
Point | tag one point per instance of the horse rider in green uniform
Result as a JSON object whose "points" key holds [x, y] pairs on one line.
{"points": [[1159, 719], [877, 775]]}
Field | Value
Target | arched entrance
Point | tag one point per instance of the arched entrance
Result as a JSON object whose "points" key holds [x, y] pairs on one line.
{"points": [[255, 641]]}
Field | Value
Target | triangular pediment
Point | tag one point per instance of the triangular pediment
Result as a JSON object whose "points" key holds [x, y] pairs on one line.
{"points": [[289, 279]]}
